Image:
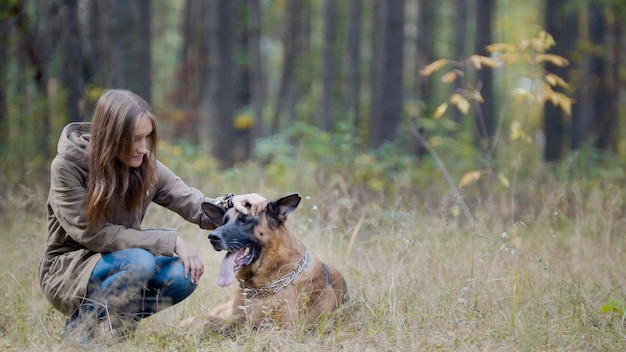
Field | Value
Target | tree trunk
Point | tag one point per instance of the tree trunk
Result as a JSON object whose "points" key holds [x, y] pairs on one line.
{"points": [[241, 146], [193, 62], [485, 119], [257, 80], [292, 45], [424, 50], [460, 38], [92, 62], [219, 98], [559, 25], [613, 84], [387, 92], [34, 50], [192, 73], [115, 43], [602, 120], [4, 43], [72, 73], [124, 48], [328, 63], [424, 54], [140, 66], [354, 60]]}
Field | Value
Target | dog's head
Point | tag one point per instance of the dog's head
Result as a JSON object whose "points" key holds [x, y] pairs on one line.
{"points": [[244, 237]]}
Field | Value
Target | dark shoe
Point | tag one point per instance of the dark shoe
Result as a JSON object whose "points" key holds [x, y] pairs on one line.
{"points": [[77, 332], [122, 326], [81, 326]]}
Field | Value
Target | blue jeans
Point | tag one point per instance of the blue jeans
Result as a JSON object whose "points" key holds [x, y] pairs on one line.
{"points": [[133, 282]]}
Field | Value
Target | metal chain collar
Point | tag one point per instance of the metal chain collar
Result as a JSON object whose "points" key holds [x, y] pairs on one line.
{"points": [[279, 284]]}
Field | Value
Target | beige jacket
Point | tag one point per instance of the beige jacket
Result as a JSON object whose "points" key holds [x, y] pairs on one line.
{"points": [[72, 250]]}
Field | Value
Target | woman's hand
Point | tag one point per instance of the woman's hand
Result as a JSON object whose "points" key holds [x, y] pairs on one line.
{"points": [[256, 201], [191, 261]]}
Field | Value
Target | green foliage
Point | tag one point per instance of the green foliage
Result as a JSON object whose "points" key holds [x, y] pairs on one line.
{"points": [[590, 165], [519, 70], [331, 157], [614, 306]]}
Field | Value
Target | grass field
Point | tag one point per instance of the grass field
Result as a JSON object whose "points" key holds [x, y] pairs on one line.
{"points": [[420, 277]]}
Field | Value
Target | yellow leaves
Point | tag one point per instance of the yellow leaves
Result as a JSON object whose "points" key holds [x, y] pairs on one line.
{"points": [[457, 100], [243, 121], [555, 80], [469, 177], [560, 99], [475, 61], [455, 211], [441, 109], [177, 151], [473, 176], [523, 62], [433, 67], [501, 48], [547, 39], [92, 94], [461, 103], [449, 77], [553, 59], [518, 133], [540, 44], [556, 98], [531, 50], [521, 94], [504, 181], [478, 61]]}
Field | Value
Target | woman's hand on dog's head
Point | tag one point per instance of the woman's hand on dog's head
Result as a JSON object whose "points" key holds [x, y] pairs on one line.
{"points": [[256, 202]]}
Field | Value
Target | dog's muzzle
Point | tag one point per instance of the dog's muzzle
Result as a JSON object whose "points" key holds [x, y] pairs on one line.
{"points": [[216, 241]]}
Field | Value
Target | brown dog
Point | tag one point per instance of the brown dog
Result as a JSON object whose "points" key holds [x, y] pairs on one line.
{"points": [[281, 282]]}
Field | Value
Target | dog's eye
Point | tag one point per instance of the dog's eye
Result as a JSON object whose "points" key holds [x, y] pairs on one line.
{"points": [[243, 219]]}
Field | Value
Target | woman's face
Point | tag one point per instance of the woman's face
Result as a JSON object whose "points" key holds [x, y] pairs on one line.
{"points": [[142, 137]]}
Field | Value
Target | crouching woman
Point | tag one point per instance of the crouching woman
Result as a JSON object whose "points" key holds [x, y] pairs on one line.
{"points": [[100, 267]]}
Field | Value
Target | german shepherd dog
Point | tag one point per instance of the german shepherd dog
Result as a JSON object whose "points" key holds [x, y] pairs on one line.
{"points": [[280, 282]]}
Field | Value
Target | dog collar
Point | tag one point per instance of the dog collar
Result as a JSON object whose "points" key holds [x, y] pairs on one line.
{"points": [[279, 284]]}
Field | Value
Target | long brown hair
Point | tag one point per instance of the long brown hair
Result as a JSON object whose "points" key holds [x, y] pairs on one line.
{"points": [[116, 115]]}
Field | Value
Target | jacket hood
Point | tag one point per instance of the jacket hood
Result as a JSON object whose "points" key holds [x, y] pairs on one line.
{"points": [[73, 143]]}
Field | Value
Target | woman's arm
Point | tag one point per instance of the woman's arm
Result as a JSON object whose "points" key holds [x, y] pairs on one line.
{"points": [[68, 202], [174, 194]]}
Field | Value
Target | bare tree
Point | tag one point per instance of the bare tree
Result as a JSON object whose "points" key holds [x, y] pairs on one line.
{"points": [[140, 66], [293, 41], [563, 28], [218, 103], [4, 43], [72, 71], [328, 62], [123, 45], [387, 92], [354, 61], [460, 38], [424, 48], [600, 117], [485, 120], [257, 80]]}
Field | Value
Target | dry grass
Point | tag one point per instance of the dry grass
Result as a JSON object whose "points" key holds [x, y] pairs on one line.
{"points": [[418, 280]]}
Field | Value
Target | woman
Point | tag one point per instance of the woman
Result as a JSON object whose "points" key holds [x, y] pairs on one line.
{"points": [[100, 267]]}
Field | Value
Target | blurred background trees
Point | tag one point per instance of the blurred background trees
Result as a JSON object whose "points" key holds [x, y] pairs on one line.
{"points": [[232, 76]]}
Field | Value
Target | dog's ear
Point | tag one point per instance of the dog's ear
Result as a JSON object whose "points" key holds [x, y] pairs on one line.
{"points": [[213, 212], [279, 208]]}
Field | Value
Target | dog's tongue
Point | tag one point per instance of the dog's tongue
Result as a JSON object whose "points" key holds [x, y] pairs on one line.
{"points": [[227, 270]]}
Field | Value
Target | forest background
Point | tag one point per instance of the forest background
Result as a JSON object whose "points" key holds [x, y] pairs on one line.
{"points": [[464, 158]]}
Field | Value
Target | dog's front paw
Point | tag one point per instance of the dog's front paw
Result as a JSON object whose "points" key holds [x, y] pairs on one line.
{"points": [[222, 327], [193, 326]]}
